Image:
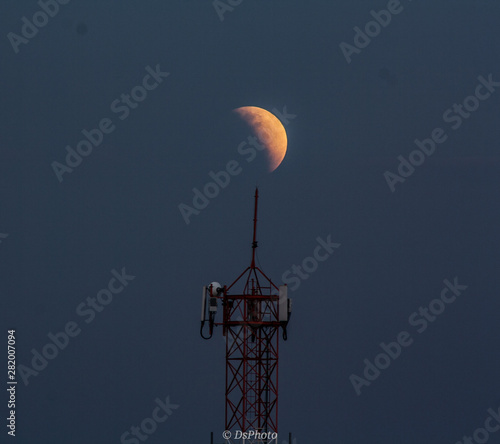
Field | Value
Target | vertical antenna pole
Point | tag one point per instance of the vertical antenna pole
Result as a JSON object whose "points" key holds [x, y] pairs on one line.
{"points": [[254, 243]]}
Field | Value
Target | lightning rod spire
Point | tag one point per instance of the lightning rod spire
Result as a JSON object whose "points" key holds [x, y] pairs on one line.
{"points": [[254, 242]]}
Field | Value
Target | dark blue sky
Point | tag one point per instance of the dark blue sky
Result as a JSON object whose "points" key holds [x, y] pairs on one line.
{"points": [[118, 210]]}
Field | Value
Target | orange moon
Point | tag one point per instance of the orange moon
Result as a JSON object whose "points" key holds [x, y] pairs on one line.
{"points": [[269, 130]]}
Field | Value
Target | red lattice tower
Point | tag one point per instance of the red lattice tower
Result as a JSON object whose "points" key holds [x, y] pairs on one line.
{"points": [[254, 309]]}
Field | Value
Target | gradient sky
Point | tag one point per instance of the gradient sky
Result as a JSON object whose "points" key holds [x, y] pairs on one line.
{"points": [[119, 208]]}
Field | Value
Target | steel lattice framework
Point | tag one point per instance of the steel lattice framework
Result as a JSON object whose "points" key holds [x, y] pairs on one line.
{"points": [[251, 326], [254, 309]]}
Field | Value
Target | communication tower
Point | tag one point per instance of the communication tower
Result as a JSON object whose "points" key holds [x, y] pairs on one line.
{"points": [[253, 311]]}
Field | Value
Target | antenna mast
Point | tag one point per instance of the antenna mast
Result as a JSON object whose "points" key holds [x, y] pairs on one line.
{"points": [[254, 243]]}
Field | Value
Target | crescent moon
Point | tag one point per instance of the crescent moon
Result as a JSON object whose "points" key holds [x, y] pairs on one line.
{"points": [[268, 128]]}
